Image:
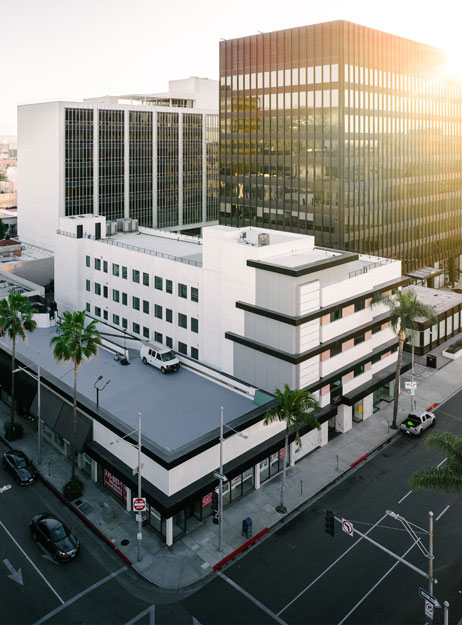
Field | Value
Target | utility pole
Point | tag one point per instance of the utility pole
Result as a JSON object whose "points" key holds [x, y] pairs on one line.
{"points": [[220, 488], [431, 557], [140, 531]]}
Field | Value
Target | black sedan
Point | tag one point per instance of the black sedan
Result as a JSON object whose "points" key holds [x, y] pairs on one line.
{"points": [[18, 464], [55, 536]]}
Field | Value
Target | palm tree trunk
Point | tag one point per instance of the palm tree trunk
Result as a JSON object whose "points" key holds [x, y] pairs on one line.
{"points": [[74, 425], [401, 339], [13, 367], [281, 507]]}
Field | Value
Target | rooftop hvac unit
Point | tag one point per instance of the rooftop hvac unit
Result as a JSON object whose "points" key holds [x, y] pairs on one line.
{"points": [[243, 236], [127, 224], [134, 224], [120, 225], [263, 238], [113, 227]]}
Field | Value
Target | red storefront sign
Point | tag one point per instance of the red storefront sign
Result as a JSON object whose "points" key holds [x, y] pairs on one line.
{"points": [[206, 500], [115, 485]]}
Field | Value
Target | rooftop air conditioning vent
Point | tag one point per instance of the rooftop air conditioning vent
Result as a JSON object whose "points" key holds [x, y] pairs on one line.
{"points": [[263, 238]]}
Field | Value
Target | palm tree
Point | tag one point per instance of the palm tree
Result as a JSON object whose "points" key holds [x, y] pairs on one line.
{"points": [[292, 408], [15, 320], [405, 309], [75, 342], [447, 477]]}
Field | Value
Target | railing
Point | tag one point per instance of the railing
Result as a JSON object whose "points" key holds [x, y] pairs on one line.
{"points": [[369, 267]]}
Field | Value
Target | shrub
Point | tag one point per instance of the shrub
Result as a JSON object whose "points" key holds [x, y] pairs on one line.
{"points": [[455, 347], [13, 433], [73, 489]]}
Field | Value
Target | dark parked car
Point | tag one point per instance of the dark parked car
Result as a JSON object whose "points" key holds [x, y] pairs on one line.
{"points": [[18, 464], [55, 536]]}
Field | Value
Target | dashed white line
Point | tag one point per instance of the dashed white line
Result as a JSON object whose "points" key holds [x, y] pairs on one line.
{"points": [[329, 567], [249, 596], [442, 462], [29, 560], [441, 513], [406, 495]]}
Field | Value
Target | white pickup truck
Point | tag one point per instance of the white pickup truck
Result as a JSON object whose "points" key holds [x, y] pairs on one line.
{"points": [[416, 422]]}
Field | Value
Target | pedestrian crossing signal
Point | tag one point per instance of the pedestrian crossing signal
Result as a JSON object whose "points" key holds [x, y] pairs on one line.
{"points": [[329, 523]]}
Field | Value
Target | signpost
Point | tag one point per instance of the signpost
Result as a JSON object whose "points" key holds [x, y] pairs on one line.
{"points": [[347, 527], [410, 385], [427, 596], [139, 504]]}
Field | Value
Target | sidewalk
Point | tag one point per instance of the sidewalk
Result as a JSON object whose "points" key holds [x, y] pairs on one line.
{"points": [[193, 557]]}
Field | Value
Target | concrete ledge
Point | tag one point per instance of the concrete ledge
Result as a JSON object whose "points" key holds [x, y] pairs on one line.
{"points": [[454, 356]]}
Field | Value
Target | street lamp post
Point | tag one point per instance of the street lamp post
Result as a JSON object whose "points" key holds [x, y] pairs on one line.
{"points": [[139, 535], [221, 479], [98, 389]]}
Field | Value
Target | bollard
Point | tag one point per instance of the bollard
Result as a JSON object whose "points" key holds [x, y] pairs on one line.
{"points": [[336, 468], [301, 488]]}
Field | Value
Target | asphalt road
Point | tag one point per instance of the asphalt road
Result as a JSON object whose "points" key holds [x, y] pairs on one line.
{"points": [[302, 575]]}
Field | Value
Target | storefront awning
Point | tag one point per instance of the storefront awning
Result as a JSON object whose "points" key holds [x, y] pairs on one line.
{"points": [[65, 427], [50, 407], [378, 380]]}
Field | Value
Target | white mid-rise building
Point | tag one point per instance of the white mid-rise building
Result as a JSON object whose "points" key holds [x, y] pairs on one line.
{"points": [[151, 158], [266, 308]]}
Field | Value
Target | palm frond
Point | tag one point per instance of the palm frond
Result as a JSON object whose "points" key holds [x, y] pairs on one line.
{"points": [[437, 478]]}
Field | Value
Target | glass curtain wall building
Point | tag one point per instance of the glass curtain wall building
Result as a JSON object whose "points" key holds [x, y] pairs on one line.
{"points": [[347, 133]]}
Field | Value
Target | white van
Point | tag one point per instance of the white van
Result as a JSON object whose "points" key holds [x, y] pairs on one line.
{"points": [[159, 356]]}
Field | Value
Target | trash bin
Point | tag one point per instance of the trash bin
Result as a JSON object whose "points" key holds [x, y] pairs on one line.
{"points": [[108, 512], [247, 527], [431, 361]]}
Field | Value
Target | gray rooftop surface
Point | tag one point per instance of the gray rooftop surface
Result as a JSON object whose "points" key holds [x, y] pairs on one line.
{"points": [[177, 409], [440, 300]]}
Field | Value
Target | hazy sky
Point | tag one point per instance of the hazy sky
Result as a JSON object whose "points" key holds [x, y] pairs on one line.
{"points": [[70, 49]]}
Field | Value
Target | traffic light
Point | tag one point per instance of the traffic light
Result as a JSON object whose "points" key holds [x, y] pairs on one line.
{"points": [[215, 512], [330, 523]]}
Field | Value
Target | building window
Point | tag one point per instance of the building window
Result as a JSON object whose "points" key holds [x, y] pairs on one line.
{"points": [[335, 349], [115, 295], [359, 339], [115, 270], [376, 329], [158, 337], [88, 307], [87, 261], [360, 305], [145, 278], [146, 307], [135, 275], [136, 303], [105, 266], [124, 323], [335, 315], [97, 288], [358, 370], [145, 332], [136, 328], [194, 294], [115, 319], [97, 311], [182, 320], [182, 290], [182, 348], [97, 264], [169, 341], [169, 286], [124, 272], [194, 325], [168, 315], [158, 311], [105, 292], [105, 315], [124, 299], [194, 353], [158, 283], [88, 285]]}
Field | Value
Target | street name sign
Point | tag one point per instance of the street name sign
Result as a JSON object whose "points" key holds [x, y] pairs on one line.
{"points": [[410, 385], [427, 596], [347, 527], [220, 476], [139, 504]]}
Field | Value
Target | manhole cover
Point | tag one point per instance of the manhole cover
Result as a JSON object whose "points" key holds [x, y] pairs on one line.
{"points": [[124, 542]]}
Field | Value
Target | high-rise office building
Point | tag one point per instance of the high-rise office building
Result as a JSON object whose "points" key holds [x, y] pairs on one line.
{"points": [[149, 158], [347, 133]]}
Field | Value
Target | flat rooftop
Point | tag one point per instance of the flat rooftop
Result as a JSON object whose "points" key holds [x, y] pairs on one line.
{"points": [[439, 299], [179, 410]]}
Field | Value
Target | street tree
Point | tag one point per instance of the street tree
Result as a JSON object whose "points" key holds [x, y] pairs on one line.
{"points": [[448, 476], [292, 408], [405, 310], [75, 342], [16, 319]]}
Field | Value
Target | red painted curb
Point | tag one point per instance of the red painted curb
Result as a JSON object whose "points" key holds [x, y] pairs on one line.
{"points": [[432, 406], [353, 464], [239, 549], [93, 527]]}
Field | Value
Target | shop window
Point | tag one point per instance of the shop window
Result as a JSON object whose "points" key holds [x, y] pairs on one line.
{"points": [[86, 464], [248, 483], [264, 470]]}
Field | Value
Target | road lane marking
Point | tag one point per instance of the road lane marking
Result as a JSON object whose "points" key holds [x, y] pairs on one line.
{"points": [[249, 596], [29, 560], [152, 615], [80, 595], [406, 495], [329, 567], [441, 513], [442, 462], [375, 586]]}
